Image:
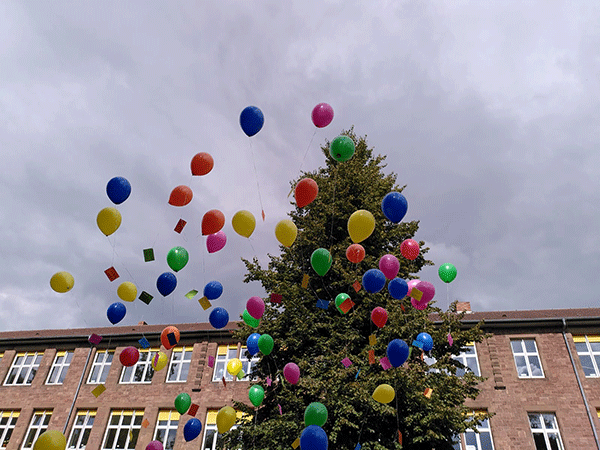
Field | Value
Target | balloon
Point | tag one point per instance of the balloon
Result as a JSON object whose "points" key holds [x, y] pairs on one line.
{"points": [[394, 206], [355, 253], [164, 336], [166, 283], [155, 445], [341, 298], [62, 282], [447, 272], [265, 344], [212, 222], [315, 414], [306, 191], [116, 312], [50, 440], [251, 120], [409, 249], [118, 190], [255, 307], [129, 356], [384, 393], [177, 258], [286, 232], [219, 318], [225, 419], [256, 394], [234, 366], [202, 163], [341, 148], [313, 437], [322, 115], [373, 281], [183, 402], [159, 361], [398, 288], [379, 316], [109, 220], [397, 352], [252, 344], [291, 372], [127, 291], [418, 305], [412, 284], [389, 265], [360, 225], [249, 320], [243, 223], [213, 290], [181, 196], [426, 340], [321, 261], [215, 242], [427, 289]]}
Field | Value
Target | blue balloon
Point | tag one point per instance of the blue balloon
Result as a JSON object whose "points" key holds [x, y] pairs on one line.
{"points": [[213, 290], [313, 437], [398, 288], [219, 317], [394, 206], [118, 190], [426, 340], [373, 280], [251, 120], [166, 283], [252, 343], [192, 429], [397, 352], [116, 312]]}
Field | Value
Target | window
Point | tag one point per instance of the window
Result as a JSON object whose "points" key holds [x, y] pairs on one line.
{"points": [[58, 372], [123, 429], [211, 434], [82, 428], [545, 431], [527, 359], [100, 366], [588, 349], [181, 357], [166, 427], [468, 358], [23, 369], [247, 364], [8, 419], [39, 424], [479, 439], [141, 371], [224, 354]]}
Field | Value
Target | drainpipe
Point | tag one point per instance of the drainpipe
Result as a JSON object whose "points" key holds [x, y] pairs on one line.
{"points": [[87, 361], [587, 406]]}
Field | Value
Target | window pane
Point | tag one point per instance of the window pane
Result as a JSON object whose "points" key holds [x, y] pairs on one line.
{"points": [[31, 375], [86, 435], [122, 438], [581, 347], [516, 346], [554, 442], [540, 442], [470, 438], [586, 363], [536, 366], [30, 437], [74, 438], [208, 439], [7, 437], [486, 441], [530, 345], [534, 421], [110, 438], [595, 346], [521, 366], [549, 421], [472, 364]]}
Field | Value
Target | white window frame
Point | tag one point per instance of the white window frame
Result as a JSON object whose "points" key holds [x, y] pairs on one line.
{"points": [[37, 428], [23, 367], [223, 357], [145, 364], [247, 364], [177, 364], [481, 429], [60, 367], [102, 365], [170, 419], [83, 423], [527, 355], [132, 429], [6, 429], [586, 341], [546, 432], [464, 357]]}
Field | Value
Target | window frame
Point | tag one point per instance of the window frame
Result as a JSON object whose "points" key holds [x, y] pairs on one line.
{"points": [[210, 424], [147, 368], [103, 365], [224, 356], [589, 352], [35, 364], [172, 424], [545, 431], [526, 355], [83, 427], [64, 365], [179, 364], [39, 428], [9, 427], [463, 358], [483, 428], [131, 428]]}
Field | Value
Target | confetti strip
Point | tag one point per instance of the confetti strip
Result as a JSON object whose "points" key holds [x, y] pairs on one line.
{"points": [[211, 361], [144, 343], [371, 356], [372, 340], [180, 225], [399, 437], [172, 339], [357, 446], [296, 443], [94, 339], [204, 303], [416, 294], [417, 344], [356, 286], [241, 374], [269, 381], [148, 254], [385, 363], [98, 390], [323, 304], [280, 410], [305, 279], [145, 297], [224, 382], [193, 410], [346, 305], [346, 362], [111, 273], [145, 423], [276, 298], [356, 376], [428, 392], [191, 294], [402, 307], [450, 340]]}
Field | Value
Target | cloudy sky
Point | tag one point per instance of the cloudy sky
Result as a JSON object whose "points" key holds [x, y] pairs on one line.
{"points": [[488, 111]]}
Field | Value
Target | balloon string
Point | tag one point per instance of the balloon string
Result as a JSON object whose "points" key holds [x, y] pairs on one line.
{"points": [[306, 153], [257, 185], [448, 295], [333, 207]]}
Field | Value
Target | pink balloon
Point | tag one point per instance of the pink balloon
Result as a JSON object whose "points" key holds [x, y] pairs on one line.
{"points": [[291, 372], [390, 266], [255, 307], [419, 305], [427, 289], [215, 242], [154, 445], [322, 115], [412, 284]]}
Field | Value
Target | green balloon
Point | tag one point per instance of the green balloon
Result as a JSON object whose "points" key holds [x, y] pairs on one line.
{"points": [[447, 272], [342, 148], [256, 394], [265, 344], [315, 414], [341, 298], [177, 258], [249, 320], [321, 261], [183, 402]]}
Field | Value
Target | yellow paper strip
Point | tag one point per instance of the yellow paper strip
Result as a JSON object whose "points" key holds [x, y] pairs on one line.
{"points": [[204, 303], [372, 340], [296, 443], [305, 279], [98, 390]]}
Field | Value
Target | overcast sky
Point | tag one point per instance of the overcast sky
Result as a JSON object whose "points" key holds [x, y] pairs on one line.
{"points": [[488, 111]]}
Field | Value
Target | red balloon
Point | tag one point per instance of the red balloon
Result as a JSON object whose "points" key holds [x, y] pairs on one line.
{"points": [[355, 253], [212, 222], [410, 249], [202, 163], [306, 191], [181, 196], [379, 316], [129, 356]]}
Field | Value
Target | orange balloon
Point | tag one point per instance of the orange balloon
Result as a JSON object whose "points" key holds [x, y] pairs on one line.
{"points": [[212, 222], [202, 163], [164, 337], [306, 191], [355, 253], [181, 196]]}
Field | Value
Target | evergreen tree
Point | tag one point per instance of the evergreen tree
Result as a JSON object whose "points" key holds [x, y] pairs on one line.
{"points": [[317, 339]]}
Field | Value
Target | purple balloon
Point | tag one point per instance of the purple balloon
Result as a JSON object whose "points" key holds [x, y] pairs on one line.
{"points": [[322, 115], [155, 445], [291, 372], [389, 265], [216, 241]]}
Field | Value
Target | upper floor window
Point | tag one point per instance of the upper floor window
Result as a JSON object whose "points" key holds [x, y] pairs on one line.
{"points": [[247, 364], [39, 424], [123, 429], [179, 367], [468, 358], [84, 421], [224, 354], [166, 427], [61, 363], [8, 420], [478, 439], [141, 371], [101, 366], [527, 358], [23, 369], [545, 431], [588, 349]]}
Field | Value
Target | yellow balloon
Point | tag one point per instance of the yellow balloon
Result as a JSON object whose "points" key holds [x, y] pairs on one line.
{"points": [[243, 223], [234, 366], [225, 419], [127, 291], [360, 225], [384, 393], [159, 361], [62, 282], [286, 232], [50, 440], [109, 220]]}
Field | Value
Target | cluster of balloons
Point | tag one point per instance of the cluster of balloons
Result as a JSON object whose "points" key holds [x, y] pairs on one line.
{"points": [[260, 343], [193, 426]]}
